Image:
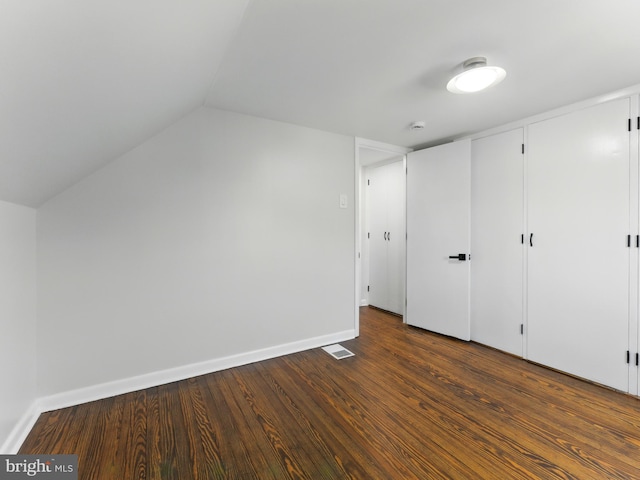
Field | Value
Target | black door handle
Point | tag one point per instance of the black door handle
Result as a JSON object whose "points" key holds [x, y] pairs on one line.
{"points": [[389, 236], [461, 256], [531, 240]]}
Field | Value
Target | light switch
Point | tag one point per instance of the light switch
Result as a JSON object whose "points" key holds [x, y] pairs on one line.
{"points": [[343, 200]]}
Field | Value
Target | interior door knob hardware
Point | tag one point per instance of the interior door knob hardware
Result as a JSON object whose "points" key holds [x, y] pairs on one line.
{"points": [[461, 256]]}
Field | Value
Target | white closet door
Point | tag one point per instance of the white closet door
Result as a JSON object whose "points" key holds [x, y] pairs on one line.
{"points": [[377, 211], [578, 264], [396, 236], [387, 236], [497, 176], [438, 210]]}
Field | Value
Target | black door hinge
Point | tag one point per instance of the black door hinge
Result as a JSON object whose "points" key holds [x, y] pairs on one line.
{"points": [[368, 287], [628, 356], [637, 359], [368, 182], [628, 240], [522, 329], [523, 148], [522, 239], [368, 234], [629, 125]]}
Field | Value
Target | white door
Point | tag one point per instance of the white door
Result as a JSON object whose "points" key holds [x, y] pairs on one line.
{"points": [[438, 211], [497, 210], [377, 223], [578, 258], [386, 236]]}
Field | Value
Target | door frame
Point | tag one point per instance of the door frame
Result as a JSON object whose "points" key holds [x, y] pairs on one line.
{"points": [[359, 164]]}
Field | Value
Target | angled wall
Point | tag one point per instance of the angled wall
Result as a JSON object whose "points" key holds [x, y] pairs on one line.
{"points": [[220, 236]]}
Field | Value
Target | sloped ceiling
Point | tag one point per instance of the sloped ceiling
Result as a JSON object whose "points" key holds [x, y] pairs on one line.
{"points": [[84, 81]]}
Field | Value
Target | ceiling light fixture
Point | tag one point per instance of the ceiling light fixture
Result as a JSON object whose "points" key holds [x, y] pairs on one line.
{"points": [[477, 76]]}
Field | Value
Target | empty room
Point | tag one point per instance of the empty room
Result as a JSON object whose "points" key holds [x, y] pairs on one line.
{"points": [[320, 239]]}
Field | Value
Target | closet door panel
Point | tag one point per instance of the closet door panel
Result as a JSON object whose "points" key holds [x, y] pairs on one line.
{"points": [[377, 210], [578, 264], [396, 236], [496, 247], [387, 236]]}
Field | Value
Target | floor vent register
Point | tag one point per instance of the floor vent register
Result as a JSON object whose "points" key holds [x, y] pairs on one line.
{"points": [[337, 351]]}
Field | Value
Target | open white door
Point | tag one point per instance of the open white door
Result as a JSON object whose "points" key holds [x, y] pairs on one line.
{"points": [[438, 224]]}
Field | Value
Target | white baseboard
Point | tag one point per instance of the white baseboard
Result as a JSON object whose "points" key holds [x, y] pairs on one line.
{"points": [[19, 433], [132, 384], [96, 392]]}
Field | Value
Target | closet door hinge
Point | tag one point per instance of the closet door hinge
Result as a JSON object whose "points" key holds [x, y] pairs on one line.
{"points": [[628, 357], [368, 287], [629, 125], [368, 182], [638, 124], [637, 359], [522, 329], [368, 234], [523, 148]]}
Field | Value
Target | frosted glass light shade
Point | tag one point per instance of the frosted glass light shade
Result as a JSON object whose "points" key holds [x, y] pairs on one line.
{"points": [[476, 77]]}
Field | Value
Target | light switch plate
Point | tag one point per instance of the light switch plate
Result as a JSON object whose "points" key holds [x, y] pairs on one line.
{"points": [[343, 200]]}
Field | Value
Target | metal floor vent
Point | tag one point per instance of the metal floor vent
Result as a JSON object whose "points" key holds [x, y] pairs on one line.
{"points": [[337, 351]]}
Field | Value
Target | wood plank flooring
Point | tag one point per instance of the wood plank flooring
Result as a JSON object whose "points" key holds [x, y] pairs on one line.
{"points": [[409, 405]]}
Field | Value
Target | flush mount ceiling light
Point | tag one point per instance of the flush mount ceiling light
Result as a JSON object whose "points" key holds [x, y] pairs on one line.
{"points": [[477, 76]]}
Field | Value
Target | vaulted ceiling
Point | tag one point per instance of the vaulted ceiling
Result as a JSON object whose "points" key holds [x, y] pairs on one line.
{"points": [[82, 82]]}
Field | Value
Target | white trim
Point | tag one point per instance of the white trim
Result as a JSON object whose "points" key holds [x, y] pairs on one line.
{"points": [[381, 147], [626, 92], [118, 387], [132, 384], [19, 433], [357, 274], [359, 255]]}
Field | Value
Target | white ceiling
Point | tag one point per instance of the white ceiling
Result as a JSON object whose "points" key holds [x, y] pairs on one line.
{"points": [[84, 81]]}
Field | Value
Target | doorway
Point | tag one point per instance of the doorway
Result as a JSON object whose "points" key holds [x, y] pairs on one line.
{"points": [[383, 162]]}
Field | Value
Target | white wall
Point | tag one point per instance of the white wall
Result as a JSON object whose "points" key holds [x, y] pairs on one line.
{"points": [[221, 235], [17, 315]]}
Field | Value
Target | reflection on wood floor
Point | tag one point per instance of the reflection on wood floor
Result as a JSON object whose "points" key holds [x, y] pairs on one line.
{"points": [[409, 405]]}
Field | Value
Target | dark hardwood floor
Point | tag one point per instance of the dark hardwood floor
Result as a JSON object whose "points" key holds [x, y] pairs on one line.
{"points": [[409, 405]]}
